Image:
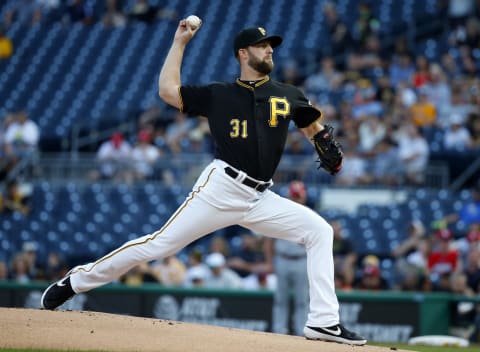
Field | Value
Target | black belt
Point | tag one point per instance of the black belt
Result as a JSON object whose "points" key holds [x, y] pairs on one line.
{"points": [[292, 257], [258, 186]]}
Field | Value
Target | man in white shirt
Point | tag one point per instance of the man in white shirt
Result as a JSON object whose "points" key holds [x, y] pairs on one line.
{"points": [[413, 153], [144, 155], [114, 158], [222, 277], [22, 135]]}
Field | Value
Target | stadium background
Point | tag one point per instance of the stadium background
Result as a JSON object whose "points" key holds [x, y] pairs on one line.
{"points": [[80, 81]]}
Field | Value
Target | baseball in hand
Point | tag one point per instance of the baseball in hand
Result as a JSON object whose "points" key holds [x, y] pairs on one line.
{"points": [[193, 21]]}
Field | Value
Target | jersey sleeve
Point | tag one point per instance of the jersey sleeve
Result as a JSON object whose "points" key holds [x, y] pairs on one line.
{"points": [[195, 100], [304, 113]]}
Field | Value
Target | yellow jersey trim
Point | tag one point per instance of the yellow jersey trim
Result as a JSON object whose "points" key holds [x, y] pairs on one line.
{"points": [[257, 84]]}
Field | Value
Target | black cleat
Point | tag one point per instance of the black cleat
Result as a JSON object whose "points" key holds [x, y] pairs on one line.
{"points": [[57, 294], [335, 333]]}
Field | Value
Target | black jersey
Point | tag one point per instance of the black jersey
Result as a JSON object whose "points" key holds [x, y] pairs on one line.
{"points": [[249, 123]]}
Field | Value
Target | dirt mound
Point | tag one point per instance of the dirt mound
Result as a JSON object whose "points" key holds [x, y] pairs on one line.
{"points": [[81, 330]]}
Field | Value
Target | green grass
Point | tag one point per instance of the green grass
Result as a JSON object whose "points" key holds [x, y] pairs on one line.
{"points": [[421, 348]]}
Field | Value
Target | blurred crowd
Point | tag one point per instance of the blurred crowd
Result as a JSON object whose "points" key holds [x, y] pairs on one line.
{"points": [[111, 13], [395, 107]]}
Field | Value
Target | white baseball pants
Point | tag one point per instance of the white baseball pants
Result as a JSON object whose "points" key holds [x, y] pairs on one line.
{"points": [[217, 201]]}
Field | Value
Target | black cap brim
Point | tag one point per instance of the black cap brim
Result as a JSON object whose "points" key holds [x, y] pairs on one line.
{"points": [[274, 40]]}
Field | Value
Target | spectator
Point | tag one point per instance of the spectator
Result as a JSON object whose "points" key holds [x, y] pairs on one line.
{"points": [[25, 12], [197, 270], [19, 269], [55, 267], [327, 78], [221, 277], [471, 239], [458, 11], [144, 156], [143, 11], [469, 213], [114, 159], [364, 101], [8, 159], [452, 68], [401, 69], [138, 275], [367, 60], [170, 271], [354, 166], [457, 137], [405, 96], [473, 125], [52, 10], [472, 268], [366, 24], [384, 166], [177, 131], [249, 261], [22, 136], [219, 244], [29, 253], [196, 278], [460, 108], [415, 232], [370, 276], [3, 271], [413, 153], [413, 273], [423, 112], [421, 76], [340, 36], [468, 62], [443, 260], [407, 273], [439, 91], [14, 199], [78, 11], [459, 285], [371, 131], [290, 73], [113, 16], [412, 280], [385, 94], [6, 46], [344, 255]]}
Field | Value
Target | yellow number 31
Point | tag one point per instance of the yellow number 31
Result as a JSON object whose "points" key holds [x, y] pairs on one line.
{"points": [[239, 128]]}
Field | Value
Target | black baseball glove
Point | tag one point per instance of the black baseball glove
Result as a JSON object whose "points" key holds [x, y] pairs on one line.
{"points": [[329, 151]]}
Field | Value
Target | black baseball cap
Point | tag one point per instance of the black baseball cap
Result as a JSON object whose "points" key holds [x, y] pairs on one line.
{"points": [[252, 36]]}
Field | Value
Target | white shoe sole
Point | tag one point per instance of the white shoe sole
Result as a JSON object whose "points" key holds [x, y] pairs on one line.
{"points": [[311, 334]]}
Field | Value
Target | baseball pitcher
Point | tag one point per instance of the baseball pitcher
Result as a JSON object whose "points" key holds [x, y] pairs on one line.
{"points": [[249, 121]]}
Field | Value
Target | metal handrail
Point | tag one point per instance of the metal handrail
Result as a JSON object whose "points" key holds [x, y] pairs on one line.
{"points": [[463, 178]]}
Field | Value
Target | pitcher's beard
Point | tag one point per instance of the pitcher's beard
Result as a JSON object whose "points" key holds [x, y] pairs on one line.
{"points": [[262, 67]]}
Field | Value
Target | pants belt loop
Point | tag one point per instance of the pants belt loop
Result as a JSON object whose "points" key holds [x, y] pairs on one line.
{"points": [[241, 176]]}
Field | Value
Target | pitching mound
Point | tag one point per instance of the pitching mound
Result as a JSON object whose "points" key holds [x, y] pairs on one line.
{"points": [[67, 330]]}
